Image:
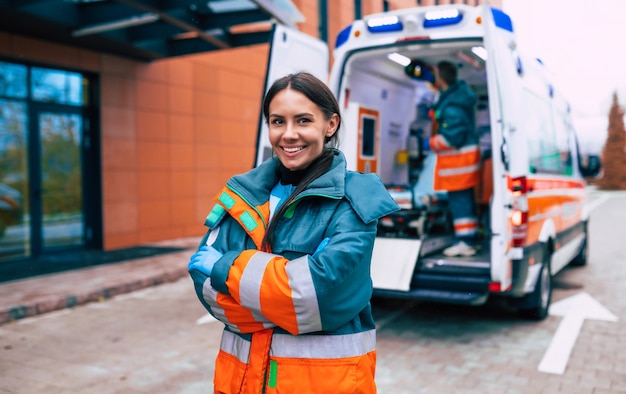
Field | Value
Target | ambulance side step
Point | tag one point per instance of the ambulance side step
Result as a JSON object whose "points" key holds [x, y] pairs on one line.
{"points": [[455, 297]]}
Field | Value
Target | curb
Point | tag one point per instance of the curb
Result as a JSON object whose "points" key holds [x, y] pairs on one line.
{"points": [[70, 300]]}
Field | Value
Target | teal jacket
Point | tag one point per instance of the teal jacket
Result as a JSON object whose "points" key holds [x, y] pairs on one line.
{"points": [[455, 141], [297, 318], [341, 207], [455, 114]]}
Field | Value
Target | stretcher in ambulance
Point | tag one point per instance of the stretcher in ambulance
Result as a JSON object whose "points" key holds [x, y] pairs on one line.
{"points": [[531, 201]]}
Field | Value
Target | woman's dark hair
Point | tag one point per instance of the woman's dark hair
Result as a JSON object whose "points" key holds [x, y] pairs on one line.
{"points": [[316, 91], [447, 72]]}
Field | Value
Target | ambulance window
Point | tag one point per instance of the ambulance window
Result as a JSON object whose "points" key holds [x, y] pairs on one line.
{"points": [[369, 134], [563, 144], [542, 144]]}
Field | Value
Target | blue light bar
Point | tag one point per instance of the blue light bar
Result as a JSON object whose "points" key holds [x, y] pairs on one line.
{"points": [[343, 36], [384, 24], [440, 18], [502, 20]]}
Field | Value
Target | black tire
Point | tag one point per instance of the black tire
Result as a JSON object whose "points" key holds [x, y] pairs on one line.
{"points": [[583, 255], [537, 303]]}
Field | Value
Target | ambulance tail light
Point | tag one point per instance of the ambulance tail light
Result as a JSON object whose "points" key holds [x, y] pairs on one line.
{"points": [[496, 287], [386, 222], [519, 214]]}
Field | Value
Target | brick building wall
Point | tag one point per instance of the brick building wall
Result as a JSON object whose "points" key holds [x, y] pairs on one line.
{"points": [[174, 130]]}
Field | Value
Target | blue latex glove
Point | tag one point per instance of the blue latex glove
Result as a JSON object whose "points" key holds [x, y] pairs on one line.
{"points": [[204, 260], [322, 244]]}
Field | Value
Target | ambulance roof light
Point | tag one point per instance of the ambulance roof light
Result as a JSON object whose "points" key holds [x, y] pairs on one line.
{"points": [[501, 19], [450, 16], [384, 24], [343, 36]]}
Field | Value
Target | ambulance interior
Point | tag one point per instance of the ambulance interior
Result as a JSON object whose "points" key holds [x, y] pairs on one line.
{"points": [[397, 137]]}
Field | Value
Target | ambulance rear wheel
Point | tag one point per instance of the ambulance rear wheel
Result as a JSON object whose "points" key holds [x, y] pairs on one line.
{"points": [[537, 303]]}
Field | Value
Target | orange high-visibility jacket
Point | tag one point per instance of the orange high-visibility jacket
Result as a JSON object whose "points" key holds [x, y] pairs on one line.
{"points": [[455, 141], [296, 320]]}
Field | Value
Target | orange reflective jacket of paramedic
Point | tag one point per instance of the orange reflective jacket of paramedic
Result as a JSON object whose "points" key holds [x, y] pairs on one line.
{"points": [[454, 140], [298, 319]]}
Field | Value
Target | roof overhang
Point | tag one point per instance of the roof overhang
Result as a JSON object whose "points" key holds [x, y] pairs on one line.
{"points": [[148, 29]]}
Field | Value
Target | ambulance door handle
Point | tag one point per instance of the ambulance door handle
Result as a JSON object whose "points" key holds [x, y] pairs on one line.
{"points": [[504, 154]]}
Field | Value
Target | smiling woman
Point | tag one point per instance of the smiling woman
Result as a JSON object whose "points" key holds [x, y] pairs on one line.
{"points": [[285, 264], [298, 129]]}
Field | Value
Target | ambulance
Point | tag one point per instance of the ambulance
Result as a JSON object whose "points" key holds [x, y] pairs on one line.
{"points": [[531, 200]]}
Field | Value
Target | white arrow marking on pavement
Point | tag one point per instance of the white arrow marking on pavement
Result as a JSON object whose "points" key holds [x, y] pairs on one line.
{"points": [[574, 310], [206, 319]]}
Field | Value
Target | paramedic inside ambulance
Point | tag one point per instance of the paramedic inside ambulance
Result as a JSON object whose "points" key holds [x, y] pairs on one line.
{"points": [[455, 143]]}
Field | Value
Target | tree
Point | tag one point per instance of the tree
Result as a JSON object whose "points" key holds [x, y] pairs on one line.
{"points": [[614, 151]]}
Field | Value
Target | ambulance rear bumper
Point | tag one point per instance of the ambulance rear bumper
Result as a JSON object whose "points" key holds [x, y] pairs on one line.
{"points": [[466, 290]]}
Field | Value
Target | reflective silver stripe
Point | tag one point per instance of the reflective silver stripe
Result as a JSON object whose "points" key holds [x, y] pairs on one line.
{"points": [[209, 294], [464, 224], [440, 142], [210, 297], [323, 346], [460, 170], [467, 231], [235, 345], [213, 234], [303, 295], [462, 221], [250, 285], [461, 150]]}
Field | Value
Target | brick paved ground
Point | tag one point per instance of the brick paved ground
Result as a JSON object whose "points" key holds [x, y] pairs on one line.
{"points": [[149, 340]]}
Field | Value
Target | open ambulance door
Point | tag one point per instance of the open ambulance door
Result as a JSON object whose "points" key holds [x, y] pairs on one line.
{"points": [[505, 92], [290, 51]]}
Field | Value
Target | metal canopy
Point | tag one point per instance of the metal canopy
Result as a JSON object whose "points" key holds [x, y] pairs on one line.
{"points": [[147, 29]]}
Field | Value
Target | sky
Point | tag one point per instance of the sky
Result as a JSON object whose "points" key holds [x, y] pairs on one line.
{"points": [[581, 42]]}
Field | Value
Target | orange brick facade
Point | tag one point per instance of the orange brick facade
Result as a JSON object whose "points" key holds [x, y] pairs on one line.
{"points": [[173, 131]]}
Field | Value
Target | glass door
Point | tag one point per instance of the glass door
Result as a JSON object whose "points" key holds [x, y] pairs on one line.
{"points": [[15, 234], [59, 191], [50, 193]]}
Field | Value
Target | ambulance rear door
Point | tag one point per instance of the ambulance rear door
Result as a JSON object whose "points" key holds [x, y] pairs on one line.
{"points": [[503, 80], [290, 51]]}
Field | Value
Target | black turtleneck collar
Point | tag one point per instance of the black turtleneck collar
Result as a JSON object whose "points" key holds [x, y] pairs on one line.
{"points": [[288, 177]]}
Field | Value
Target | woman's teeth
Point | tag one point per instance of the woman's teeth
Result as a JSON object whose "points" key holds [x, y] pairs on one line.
{"points": [[291, 150]]}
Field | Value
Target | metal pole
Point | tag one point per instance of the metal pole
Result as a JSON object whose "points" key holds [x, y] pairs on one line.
{"points": [[357, 9], [323, 19]]}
